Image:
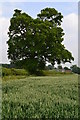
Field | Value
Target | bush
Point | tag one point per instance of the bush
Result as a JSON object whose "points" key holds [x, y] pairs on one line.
{"points": [[6, 72], [19, 71], [13, 71]]}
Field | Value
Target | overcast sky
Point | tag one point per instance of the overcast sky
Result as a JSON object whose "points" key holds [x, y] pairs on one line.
{"points": [[70, 23]]}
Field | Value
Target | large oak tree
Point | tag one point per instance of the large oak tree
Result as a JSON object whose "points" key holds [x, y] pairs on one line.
{"points": [[33, 42]]}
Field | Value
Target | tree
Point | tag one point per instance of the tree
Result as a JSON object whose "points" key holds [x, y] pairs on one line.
{"points": [[66, 68], [50, 67], [59, 66], [75, 69], [32, 42]]}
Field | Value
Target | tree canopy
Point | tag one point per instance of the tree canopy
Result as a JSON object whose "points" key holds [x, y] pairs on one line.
{"points": [[33, 42], [75, 69]]}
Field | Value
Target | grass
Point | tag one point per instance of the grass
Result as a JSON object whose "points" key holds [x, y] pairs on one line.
{"points": [[55, 73], [12, 77], [40, 97]]}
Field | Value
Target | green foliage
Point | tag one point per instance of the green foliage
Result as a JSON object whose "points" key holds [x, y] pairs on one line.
{"points": [[13, 71], [75, 69], [49, 67], [13, 77], [54, 73], [60, 67], [8, 65], [66, 68], [0, 71], [19, 71], [40, 97], [32, 42], [6, 71]]}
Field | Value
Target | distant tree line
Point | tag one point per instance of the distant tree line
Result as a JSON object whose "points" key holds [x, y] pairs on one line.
{"points": [[8, 65], [73, 68]]}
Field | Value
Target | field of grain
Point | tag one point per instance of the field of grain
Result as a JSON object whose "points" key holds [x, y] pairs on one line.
{"points": [[40, 97]]}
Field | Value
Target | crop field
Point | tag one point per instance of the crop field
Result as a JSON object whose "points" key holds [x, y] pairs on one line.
{"points": [[40, 97]]}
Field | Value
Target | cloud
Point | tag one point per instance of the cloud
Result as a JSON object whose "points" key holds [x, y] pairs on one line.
{"points": [[0, 12], [4, 22], [70, 26]]}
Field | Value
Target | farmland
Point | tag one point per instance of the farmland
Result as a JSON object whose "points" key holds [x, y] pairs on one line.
{"points": [[40, 97]]}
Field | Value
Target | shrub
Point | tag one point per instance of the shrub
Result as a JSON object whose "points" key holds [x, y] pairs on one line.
{"points": [[6, 71], [13, 71]]}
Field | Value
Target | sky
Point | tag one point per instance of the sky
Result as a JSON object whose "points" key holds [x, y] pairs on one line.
{"points": [[70, 23], [39, 0]]}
